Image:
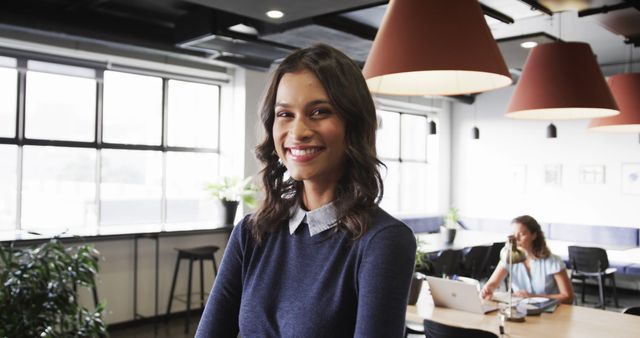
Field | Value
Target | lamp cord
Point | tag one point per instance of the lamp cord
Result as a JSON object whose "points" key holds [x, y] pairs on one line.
{"points": [[630, 63]]}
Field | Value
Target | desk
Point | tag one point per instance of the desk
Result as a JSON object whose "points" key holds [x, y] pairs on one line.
{"points": [[567, 321]]}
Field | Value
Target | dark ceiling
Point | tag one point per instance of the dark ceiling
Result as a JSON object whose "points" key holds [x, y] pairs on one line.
{"points": [[202, 27]]}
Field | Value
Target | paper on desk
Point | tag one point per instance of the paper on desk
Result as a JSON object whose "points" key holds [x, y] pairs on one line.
{"points": [[503, 297]]}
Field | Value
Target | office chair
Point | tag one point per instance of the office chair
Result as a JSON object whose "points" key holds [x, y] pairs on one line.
{"points": [[474, 260], [448, 262], [634, 310], [408, 330], [492, 259], [590, 262], [438, 330]]}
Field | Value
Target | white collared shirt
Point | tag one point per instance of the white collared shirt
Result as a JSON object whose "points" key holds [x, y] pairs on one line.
{"points": [[319, 220]]}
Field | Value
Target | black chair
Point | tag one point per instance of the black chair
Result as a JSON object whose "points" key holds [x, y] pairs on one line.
{"points": [[634, 310], [193, 254], [438, 330], [492, 259], [448, 262], [590, 262], [474, 260], [408, 330]]}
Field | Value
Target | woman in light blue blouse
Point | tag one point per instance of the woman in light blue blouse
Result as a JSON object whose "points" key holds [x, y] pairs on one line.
{"points": [[543, 274]]}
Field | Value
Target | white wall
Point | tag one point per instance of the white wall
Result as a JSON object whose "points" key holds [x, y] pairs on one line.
{"points": [[484, 172], [255, 87]]}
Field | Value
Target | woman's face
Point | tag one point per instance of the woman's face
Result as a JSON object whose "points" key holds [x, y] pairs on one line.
{"points": [[524, 238], [309, 135]]}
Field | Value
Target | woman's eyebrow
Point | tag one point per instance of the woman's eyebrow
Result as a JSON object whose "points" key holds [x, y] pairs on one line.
{"points": [[316, 102], [307, 105]]}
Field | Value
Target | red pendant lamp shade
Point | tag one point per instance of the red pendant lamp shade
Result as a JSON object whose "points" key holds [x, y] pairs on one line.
{"points": [[561, 81], [434, 47], [626, 90]]}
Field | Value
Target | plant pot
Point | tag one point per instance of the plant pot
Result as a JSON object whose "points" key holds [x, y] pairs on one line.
{"points": [[414, 290], [230, 208], [450, 236]]}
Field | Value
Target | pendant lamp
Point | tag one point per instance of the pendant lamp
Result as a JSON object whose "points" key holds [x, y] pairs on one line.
{"points": [[561, 81], [626, 90], [475, 133], [433, 129], [552, 131], [434, 47]]}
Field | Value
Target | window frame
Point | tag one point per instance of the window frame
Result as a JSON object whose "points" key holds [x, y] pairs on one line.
{"points": [[19, 139], [428, 117]]}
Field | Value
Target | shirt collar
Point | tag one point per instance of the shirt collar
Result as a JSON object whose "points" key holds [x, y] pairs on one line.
{"points": [[318, 220]]}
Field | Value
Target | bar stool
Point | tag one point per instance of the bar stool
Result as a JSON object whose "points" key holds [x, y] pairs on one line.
{"points": [[192, 254]]}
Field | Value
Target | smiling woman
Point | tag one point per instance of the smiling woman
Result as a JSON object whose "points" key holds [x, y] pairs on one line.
{"points": [[309, 136], [319, 257]]}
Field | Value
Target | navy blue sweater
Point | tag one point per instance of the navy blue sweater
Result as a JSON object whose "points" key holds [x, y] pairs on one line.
{"points": [[321, 286]]}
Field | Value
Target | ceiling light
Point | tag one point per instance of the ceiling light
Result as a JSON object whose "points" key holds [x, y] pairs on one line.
{"points": [[424, 48], [626, 90], [561, 81], [244, 29], [528, 44], [275, 14]]}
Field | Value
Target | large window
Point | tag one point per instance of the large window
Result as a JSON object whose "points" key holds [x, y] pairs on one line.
{"points": [[411, 156], [60, 106], [101, 148], [8, 96]]}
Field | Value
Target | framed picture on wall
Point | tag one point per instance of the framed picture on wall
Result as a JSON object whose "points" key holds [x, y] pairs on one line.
{"points": [[630, 178], [553, 174], [592, 174]]}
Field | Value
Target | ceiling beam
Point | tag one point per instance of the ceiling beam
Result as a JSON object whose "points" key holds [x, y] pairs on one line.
{"points": [[537, 6], [607, 9], [494, 13], [343, 24]]}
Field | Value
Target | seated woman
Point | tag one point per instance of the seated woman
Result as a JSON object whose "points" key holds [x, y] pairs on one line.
{"points": [[543, 274]]}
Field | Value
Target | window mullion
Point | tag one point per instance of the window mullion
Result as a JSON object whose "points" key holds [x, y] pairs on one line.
{"points": [[163, 143], [98, 142], [22, 85]]}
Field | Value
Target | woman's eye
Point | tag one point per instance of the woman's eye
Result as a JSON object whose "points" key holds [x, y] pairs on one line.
{"points": [[320, 112], [283, 114]]}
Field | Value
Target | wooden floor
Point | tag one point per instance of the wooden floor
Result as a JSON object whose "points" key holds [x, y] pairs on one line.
{"points": [[174, 328]]}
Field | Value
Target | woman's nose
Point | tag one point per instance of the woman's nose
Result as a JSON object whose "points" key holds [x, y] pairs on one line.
{"points": [[300, 129]]}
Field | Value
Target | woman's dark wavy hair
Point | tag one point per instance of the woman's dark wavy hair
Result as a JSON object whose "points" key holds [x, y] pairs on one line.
{"points": [[540, 249], [360, 188]]}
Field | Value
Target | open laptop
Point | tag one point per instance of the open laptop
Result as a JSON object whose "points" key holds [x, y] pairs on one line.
{"points": [[458, 295]]}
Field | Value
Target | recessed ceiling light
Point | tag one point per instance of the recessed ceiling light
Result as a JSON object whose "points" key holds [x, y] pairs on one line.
{"points": [[528, 44], [274, 14]]}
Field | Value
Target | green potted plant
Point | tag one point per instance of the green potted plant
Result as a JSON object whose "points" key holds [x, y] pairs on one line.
{"points": [[230, 191], [38, 296], [451, 224], [423, 266]]}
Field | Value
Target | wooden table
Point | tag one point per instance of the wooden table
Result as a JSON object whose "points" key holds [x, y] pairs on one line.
{"points": [[566, 321]]}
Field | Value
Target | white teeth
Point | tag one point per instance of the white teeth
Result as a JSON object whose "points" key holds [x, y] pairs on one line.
{"points": [[301, 152]]}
